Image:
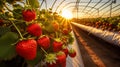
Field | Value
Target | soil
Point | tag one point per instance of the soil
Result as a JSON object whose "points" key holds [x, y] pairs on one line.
{"points": [[95, 51]]}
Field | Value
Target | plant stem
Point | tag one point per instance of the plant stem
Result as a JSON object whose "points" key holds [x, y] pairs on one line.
{"points": [[27, 2], [14, 23], [44, 51], [9, 9], [56, 33], [23, 63], [17, 30]]}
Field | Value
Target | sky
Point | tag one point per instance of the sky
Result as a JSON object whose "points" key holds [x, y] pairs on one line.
{"points": [[86, 9]]}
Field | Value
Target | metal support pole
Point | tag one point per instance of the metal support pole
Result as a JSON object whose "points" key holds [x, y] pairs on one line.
{"points": [[110, 9], [98, 12], [77, 5]]}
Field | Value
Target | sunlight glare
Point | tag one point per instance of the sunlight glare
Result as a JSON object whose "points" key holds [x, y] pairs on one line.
{"points": [[67, 14]]}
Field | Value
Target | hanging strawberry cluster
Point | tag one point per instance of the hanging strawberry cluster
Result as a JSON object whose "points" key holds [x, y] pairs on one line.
{"points": [[36, 35]]}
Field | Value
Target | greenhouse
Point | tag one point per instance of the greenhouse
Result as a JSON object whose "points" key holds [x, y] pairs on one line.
{"points": [[59, 33]]}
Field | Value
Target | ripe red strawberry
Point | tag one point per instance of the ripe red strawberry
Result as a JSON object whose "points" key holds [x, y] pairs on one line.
{"points": [[57, 46], [29, 15], [51, 65], [1, 22], [61, 59], [72, 53], [44, 42], [65, 31], [65, 50], [27, 49], [34, 29]]}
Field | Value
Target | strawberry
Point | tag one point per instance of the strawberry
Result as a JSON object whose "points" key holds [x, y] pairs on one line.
{"points": [[65, 50], [63, 64], [65, 31], [44, 42], [61, 59], [51, 65], [55, 25], [34, 29], [72, 53], [27, 49], [57, 46], [1, 22], [28, 15]]}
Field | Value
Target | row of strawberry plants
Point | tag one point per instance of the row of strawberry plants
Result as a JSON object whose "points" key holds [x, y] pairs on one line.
{"points": [[37, 35], [108, 23]]}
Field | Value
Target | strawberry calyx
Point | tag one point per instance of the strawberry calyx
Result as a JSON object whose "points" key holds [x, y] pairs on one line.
{"points": [[71, 50], [64, 47], [50, 58], [21, 39], [60, 53], [43, 36], [72, 53], [57, 39]]}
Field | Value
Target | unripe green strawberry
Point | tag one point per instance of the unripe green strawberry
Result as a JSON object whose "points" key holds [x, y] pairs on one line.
{"points": [[34, 29], [27, 49], [44, 42], [29, 15]]}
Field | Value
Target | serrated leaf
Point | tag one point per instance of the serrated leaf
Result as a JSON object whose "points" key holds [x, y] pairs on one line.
{"points": [[3, 30], [34, 3], [7, 51]]}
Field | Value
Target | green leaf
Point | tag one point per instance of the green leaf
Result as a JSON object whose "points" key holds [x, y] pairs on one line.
{"points": [[38, 58], [49, 27], [1, 4], [17, 6], [34, 3], [7, 50], [3, 30], [71, 39]]}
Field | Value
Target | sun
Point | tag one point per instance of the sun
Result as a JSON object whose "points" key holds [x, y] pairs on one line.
{"points": [[67, 14]]}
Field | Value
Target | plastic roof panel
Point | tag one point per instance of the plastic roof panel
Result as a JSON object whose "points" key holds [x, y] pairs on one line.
{"points": [[97, 8]]}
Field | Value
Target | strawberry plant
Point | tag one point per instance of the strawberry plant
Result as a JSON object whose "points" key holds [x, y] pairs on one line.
{"points": [[37, 36], [106, 23]]}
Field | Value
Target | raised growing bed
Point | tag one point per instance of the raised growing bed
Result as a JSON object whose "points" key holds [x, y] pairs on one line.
{"points": [[111, 37]]}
